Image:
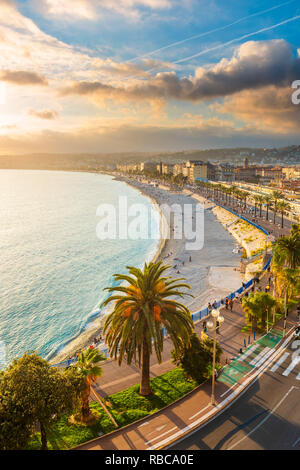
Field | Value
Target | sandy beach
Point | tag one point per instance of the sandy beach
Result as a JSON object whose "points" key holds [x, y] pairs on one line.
{"points": [[212, 272]]}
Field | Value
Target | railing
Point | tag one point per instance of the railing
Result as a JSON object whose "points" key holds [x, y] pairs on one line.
{"points": [[201, 314]]}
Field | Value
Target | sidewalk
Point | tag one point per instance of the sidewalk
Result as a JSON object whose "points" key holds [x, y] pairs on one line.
{"points": [[171, 423]]}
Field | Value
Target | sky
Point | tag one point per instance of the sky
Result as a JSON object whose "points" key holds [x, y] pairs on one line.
{"points": [[147, 75]]}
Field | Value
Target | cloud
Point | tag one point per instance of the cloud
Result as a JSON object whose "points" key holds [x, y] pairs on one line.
{"points": [[269, 108], [129, 138], [92, 9], [45, 114], [254, 65], [22, 77]]}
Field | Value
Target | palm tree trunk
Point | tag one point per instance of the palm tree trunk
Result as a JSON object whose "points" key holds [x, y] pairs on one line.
{"points": [[282, 219], [260, 208], [43, 437], [267, 215], [145, 388], [85, 408]]}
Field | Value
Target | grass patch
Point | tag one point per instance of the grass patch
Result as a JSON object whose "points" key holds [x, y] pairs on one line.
{"points": [[126, 407]]}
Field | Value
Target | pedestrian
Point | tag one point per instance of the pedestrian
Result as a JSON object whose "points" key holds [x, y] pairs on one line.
{"points": [[244, 285], [226, 303], [215, 304], [231, 304], [190, 259], [204, 327], [209, 307]]}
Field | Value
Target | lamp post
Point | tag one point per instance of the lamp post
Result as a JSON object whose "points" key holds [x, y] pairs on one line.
{"points": [[213, 325]]}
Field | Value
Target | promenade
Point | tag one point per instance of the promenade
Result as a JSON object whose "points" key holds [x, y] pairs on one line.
{"points": [[116, 378], [195, 408]]}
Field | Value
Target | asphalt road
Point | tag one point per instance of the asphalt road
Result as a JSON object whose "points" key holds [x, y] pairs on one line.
{"points": [[265, 417]]}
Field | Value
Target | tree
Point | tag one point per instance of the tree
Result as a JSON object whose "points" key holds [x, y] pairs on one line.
{"points": [[275, 198], [135, 327], [88, 367], [258, 307], [251, 311], [259, 200], [267, 201], [34, 392], [295, 229], [283, 207], [288, 250], [196, 358]]}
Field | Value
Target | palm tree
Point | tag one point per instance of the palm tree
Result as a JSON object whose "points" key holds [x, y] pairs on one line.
{"points": [[259, 307], [251, 310], [288, 249], [88, 366], [283, 207], [276, 196], [259, 200], [295, 229], [135, 327], [267, 201]]}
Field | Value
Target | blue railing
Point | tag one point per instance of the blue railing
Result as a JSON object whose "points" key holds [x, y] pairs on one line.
{"points": [[196, 316]]}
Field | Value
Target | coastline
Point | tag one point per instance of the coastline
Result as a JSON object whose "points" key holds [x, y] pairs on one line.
{"points": [[171, 251], [85, 338]]}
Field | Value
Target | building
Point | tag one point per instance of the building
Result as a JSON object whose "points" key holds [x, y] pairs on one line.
{"points": [[167, 168], [148, 166], [197, 170]]}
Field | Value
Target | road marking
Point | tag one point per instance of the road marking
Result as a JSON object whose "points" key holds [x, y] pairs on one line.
{"points": [[196, 414], [193, 427], [262, 360], [279, 362], [296, 442], [161, 435], [291, 366], [247, 353], [160, 428], [259, 357], [264, 420], [298, 376]]}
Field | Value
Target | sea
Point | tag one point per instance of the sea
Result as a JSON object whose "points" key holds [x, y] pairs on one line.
{"points": [[53, 265]]}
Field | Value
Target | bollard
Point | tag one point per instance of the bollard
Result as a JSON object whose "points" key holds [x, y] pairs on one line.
{"points": [[254, 335], [245, 345], [249, 340]]}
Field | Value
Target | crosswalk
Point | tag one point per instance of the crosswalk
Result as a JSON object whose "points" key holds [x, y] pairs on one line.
{"points": [[259, 354], [286, 364]]}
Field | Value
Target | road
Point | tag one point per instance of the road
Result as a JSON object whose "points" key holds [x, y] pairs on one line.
{"points": [[265, 417]]}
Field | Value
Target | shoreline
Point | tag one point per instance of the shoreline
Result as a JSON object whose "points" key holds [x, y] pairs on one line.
{"points": [[170, 251], [85, 338]]}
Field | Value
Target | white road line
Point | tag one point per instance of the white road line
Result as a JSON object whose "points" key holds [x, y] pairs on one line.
{"points": [[159, 428], [144, 424], [193, 427], [296, 442], [264, 420], [279, 362], [259, 363], [260, 355], [298, 376], [161, 435], [247, 353], [291, 366], [196, 414]]}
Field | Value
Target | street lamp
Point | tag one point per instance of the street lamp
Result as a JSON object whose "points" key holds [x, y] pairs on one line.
{"points": [[213, 325]]}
